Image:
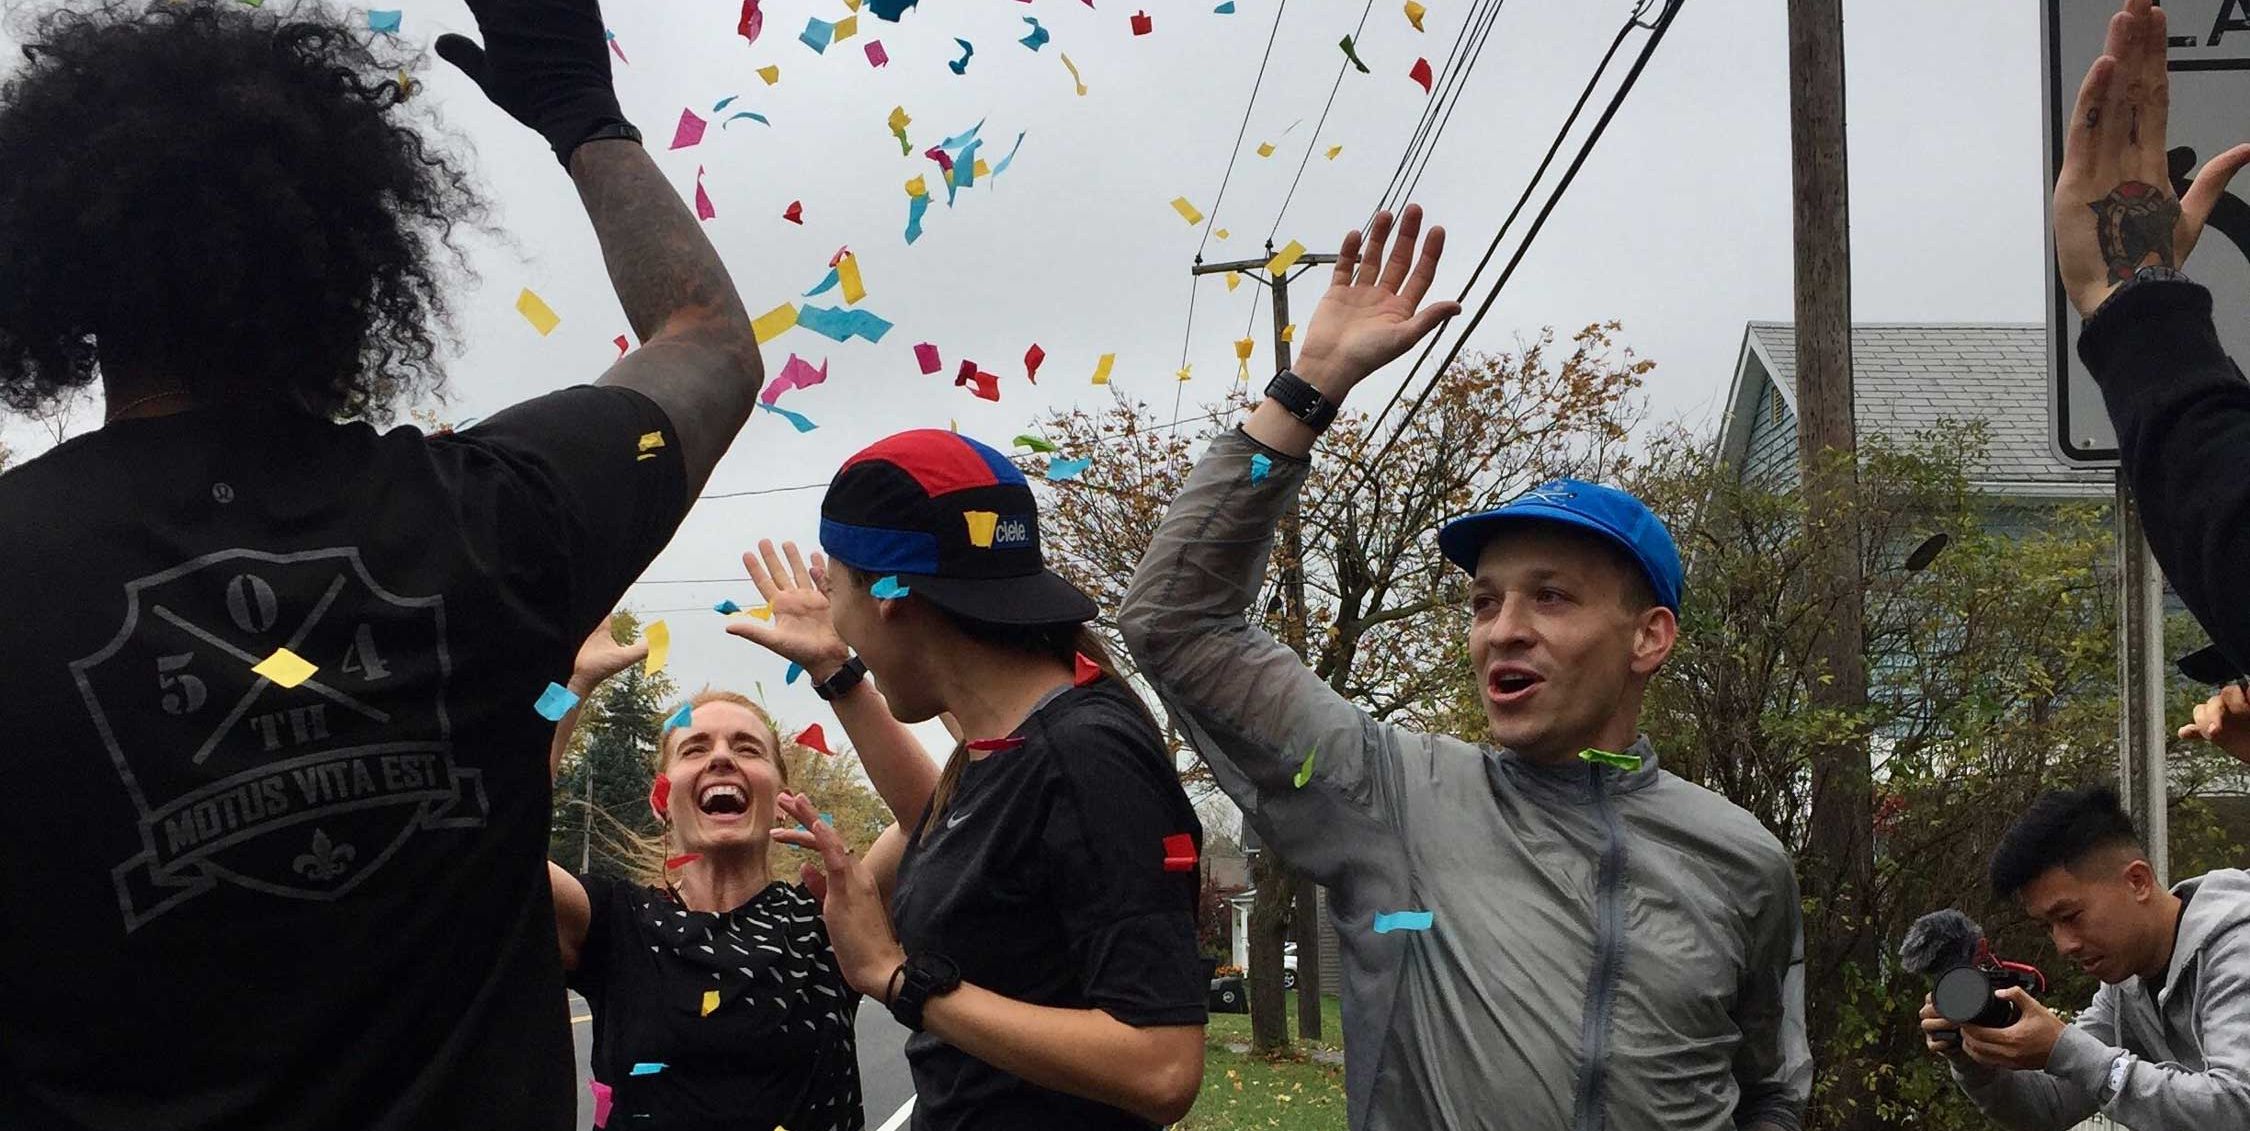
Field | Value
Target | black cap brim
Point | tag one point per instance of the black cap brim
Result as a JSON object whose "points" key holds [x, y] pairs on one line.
{"points": [[1041, 598]]}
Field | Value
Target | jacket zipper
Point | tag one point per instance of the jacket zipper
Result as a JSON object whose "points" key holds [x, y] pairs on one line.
{"points": [[1609, 960]]}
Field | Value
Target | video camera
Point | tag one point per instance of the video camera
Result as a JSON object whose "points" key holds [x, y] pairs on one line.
{"points": [[1951, 948]]}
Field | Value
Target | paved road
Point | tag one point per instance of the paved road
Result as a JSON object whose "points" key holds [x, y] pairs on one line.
{"points": [[883, 1081]]}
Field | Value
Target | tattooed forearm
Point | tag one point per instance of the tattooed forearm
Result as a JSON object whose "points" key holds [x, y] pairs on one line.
{"points": [[659, 259], [2135, 224]]}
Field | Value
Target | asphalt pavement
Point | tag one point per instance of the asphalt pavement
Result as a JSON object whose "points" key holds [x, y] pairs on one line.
{"points": [[885, 1087]]}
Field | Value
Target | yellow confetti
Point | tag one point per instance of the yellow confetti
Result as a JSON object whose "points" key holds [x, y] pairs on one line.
{"points": [[1414, 14], [772, 74], [1289, 332], [1101, 368], [285, 668], [984, 168], [1265, 149], [1242, 349], [1180, 205], [1081, 83], [1286, 258], [770, 325], [852, 4], [899, 119], [710, 1002], [1333, 150], [536, 311], [917, 187], [650, 441], [981, 526], [1221, 233], [1234, 279], [953, 425], [659, 637], [762, 612], [845, 29], [1187, 373], [847, 273]]}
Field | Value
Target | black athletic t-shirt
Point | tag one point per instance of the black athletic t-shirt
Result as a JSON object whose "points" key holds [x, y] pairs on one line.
{"points": [[718, 1022], [1044, 880], [225, 903]]}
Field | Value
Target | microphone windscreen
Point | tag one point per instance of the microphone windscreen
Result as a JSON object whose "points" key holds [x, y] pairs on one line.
{"points": [[1939, 940]]}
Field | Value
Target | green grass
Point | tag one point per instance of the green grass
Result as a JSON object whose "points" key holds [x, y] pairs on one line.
{"points": [[1291, 1092]]}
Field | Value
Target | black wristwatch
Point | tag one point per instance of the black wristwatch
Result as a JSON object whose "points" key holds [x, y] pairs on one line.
{"points": [[842, 681], [1302, 400], [927, 976], [615, 131]]}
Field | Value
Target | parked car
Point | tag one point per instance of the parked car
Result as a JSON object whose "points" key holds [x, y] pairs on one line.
{"points": [[1289, 966]]}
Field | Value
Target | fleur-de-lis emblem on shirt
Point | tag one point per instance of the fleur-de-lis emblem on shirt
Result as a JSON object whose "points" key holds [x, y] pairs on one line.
{"points": [[326, 861]]}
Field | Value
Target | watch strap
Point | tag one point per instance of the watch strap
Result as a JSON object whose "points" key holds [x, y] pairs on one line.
{"points": [[1302, 401], [927, 975], [842, 680]]}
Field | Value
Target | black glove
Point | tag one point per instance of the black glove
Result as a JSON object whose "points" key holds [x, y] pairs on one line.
{"points": [[546, 62]]}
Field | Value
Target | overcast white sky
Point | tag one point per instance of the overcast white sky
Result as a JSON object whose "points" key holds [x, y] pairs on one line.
{"points": [[1679, 225]]}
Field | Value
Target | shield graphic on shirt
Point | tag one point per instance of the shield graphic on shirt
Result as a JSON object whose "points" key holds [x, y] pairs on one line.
{"points": [[300, 792]]}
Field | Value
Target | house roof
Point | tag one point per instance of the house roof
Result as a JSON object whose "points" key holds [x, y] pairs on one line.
{"points": [[1912, 377]]}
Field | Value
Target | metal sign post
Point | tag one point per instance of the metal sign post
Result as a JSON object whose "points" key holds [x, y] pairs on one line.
{"points": [[2142, 779]]}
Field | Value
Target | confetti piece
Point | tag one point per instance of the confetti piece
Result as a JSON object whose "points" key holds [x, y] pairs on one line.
{"points": [[813, 738], [710, 1002], [685, 716], [1286, 258], [887, 588], [1038, 37], [771, 73], [752, 22], [770, 325], [1032, 359], [683, 859], [1102, 368], [1265, 149], [916, 206], [384, 21], [845, 29], [1421, 74], [659, 637], [960, 66], [621, 345], [1333, 150], [1414, 14], [1289, 332], [876, 56], [795, 213], [1142, 25], [987, 384], [689, 131], [647, 1068], [536, 311], [1388, 921], [1087, 671], [898, 123], [286, 668], [917, 187], [726, 608], [1234, 279], [703, 208], [1074, 79], [797, 373], [842, 325], [1179, 853], [1242, 351], [660, 795], [1627, 762], [996, 745], [555, 702], [1036, 444], [1065, 470], [848, 269], [797, 420], [1187, 373], [1260, 465], [795, 670], [1226, 9], [1304, 772], [603, 1100], [1221, 233], [981, 526], [818, 34], [750, 114], [1187, 211], [611, 36], [1352, 54], [1010, 159]]}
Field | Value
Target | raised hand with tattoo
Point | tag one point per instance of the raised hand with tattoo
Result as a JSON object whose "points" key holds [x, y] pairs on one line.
{"points": [[2114, 209]]}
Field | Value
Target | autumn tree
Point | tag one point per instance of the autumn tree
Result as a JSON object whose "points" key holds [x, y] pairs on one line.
{"points": [[1382, 607]]}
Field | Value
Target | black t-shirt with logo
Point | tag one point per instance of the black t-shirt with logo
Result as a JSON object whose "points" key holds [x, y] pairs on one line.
{"points": [[718, 1021], [1044, 879], [234, 904]]}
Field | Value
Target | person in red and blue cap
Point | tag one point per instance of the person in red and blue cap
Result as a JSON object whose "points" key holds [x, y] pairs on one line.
{"points": [[1031, 916], [1544, 931]]}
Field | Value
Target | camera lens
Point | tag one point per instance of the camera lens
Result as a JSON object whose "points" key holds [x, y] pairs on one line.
{"points": [[1962, 995]]}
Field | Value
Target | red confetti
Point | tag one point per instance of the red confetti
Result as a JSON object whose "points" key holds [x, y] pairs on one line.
{"points": [[621, 345], [1088, 671], [1031, 360], [1179, 853], [811, 738], [753, 21], [795, 213], [943, 159], [996, 745], [1421, 74], [1142, 25], [660, 797], [682, 860], [988, 385]]}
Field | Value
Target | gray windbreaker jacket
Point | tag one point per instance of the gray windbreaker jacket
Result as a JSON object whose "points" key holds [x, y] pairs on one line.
{"points": [[2189, 1046], [1609, 949]]}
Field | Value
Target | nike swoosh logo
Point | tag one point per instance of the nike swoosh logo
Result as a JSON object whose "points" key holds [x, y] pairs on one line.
{"points": [[955, 819]]}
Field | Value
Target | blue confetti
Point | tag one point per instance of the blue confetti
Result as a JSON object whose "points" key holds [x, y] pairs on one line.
{"points": [[648, 1068], [890, 9], [555, 702], [795, 670], [963, 138], [1038, 37], [888, 589], [1260, 464], [726, 608], [1002, 167], [724, 103], [1388, 921], [797, 420], [827, 284], [685, 716], [818, 34], [1064, 470], [915, 207], [960, 66], [1226, 9], [380, 20], [828, 818], [838, 324], [750, 114]]}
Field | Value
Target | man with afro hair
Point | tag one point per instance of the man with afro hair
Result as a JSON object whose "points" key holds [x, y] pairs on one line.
{"points": [[279, 812]]}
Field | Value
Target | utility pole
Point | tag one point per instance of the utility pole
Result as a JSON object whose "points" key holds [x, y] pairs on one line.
{"points": [[1266, 999], [2142, 778], [1839, 873]]}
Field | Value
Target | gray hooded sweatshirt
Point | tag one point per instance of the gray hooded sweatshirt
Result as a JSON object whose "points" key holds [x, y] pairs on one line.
{"points": [[1608, 949], [2187, 1050]]}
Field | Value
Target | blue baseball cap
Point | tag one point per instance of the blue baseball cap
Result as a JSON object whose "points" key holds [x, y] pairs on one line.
{"points": [[1606, 511]]}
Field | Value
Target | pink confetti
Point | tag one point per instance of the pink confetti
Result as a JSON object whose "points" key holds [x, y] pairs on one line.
{"points": [[614, 48], [703, 209], [797, 374], [943, 159], [603, 1098], [1031, 360], [690, 130], [987, 384], [927, 355], [876, 56], [753, 21]]}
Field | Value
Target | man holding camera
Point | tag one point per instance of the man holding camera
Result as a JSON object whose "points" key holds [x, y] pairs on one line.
{"points": [[2165, 1044]]}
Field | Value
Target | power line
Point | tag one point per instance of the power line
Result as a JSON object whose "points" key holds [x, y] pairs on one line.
{"points": [[1452, 100], [1315, 143], [1450, 80]]}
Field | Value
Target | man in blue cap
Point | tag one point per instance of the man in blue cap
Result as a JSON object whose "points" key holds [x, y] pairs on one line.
{"points": [[1605, 945]]}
